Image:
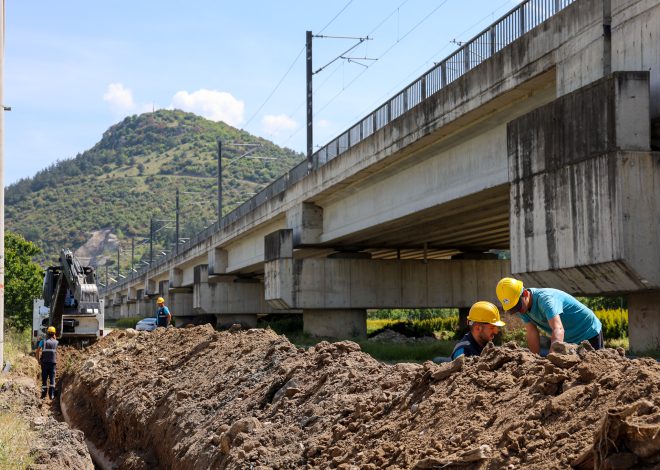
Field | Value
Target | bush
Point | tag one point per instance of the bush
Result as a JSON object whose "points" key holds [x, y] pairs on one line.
{"points": [[615, 323], [420, 328]]}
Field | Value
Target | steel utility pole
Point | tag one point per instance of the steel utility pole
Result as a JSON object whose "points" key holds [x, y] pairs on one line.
{"points": [[118, 250], [310, 75], [219, 182], [176, 241], [310, 108], [2, 185], [151, 240], [132, 254]]}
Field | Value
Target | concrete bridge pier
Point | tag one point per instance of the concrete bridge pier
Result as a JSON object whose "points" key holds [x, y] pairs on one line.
{"points": [[643, 327], [585, 192], [231, 299], [335, 292], [335, 323]]}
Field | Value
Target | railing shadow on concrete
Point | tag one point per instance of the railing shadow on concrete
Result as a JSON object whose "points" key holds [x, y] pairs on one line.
{"points": [[511, 26]]}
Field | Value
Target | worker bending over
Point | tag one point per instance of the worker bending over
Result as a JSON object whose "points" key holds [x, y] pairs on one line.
{"points": [[484, 322], [557, 313], [163, 313], [46, 355]]}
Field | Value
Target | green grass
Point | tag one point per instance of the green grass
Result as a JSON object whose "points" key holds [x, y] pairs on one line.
{"points": [[407, 352], [15, 433]]}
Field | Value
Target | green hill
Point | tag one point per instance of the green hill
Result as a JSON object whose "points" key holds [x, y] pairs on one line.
{"points": [[130, 176]]}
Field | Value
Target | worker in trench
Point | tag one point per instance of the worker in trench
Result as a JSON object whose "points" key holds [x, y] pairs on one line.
{"points": [[555, 312], [163, 314], [484, 323], [46, 355]]}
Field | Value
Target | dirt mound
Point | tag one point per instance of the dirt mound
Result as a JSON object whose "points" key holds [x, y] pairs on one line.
{"points": [[198, 398], [54, 446]]}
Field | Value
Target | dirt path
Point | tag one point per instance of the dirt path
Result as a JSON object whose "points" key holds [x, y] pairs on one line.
{"points": [[55, 445], [198, 398]]}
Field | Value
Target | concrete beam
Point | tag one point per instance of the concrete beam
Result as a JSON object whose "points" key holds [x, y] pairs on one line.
{"points": [[335, 284], [228, 297], [585, 213], [218, 261], [306, 223]]}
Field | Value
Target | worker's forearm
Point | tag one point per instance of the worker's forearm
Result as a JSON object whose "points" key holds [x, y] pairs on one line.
{"points": [[534, 343], [557, 335]]}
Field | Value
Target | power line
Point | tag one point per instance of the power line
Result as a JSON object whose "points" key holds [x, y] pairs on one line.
{"points": [[335, 17], [291, 67], [276, 87], [417, 25], [415, 72]]}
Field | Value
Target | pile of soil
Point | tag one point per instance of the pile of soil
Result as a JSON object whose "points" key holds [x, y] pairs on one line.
{"points": [[55, 445], [198, 398]]}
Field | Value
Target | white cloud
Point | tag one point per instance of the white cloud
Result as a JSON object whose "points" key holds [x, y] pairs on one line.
{"points": [[119, 97], [324, 124], [275, 124], [212, 104]]}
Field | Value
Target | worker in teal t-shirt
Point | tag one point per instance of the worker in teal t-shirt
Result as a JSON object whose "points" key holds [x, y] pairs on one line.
{"points": [[557, 313]]}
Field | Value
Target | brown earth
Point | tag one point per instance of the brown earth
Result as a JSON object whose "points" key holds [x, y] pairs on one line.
{"points": [[55, 446], [198, 398]]}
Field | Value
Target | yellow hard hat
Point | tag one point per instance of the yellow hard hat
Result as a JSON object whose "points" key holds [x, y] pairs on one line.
{"points": [[508, 291], [160, 300], [485, 312], [51, 330]]}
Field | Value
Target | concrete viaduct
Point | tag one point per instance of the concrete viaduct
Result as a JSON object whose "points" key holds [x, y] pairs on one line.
{"points": [[537, 137]]}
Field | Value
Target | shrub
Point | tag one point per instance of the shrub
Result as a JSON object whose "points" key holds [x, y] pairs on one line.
{"points": [[615, 323]]}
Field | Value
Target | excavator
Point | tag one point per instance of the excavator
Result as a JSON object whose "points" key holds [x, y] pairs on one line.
{"points": [[70, 303]]}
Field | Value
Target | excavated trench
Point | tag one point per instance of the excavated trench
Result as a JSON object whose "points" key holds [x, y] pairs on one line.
{"points": [[198, 398]]}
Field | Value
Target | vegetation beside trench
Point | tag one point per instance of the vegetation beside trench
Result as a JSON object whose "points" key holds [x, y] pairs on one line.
{"points": [[15, 432]]}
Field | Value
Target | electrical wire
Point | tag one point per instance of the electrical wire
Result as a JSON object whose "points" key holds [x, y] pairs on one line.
{"points": [[335, 17], [417, 25], [276, 87], [416, 71]]}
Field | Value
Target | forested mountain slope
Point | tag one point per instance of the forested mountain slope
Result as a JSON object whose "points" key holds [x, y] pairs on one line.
{"points": [[131, 175]]}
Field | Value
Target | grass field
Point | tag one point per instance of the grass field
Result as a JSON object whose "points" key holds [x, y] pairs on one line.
{"points": [[15, 433]]}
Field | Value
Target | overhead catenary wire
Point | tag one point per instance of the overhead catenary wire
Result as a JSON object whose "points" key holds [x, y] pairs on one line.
{"points": [[279, 83], [424, 64], [398, 40]]}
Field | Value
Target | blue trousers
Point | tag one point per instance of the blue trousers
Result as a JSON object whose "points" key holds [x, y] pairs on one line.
{"points": [[48, 378]]}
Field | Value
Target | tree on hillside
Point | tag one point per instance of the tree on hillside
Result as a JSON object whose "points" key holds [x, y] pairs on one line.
{"points": [[23, 280]]}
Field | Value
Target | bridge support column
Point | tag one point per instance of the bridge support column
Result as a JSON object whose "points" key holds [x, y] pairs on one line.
{"points": [[226, 320], [180, 305], [643, 323], [348, 323], [352, 285], [230, 299]]}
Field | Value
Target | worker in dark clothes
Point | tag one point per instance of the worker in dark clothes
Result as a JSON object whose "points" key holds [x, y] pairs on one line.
{"points": [[46, 354], [484, 321], [163, 313]]}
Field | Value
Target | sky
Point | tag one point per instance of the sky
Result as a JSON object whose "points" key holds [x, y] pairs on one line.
{"points": [[74, 68]]}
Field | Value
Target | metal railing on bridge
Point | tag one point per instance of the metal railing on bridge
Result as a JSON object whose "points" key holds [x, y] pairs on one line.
{"points": [[508, 28], [518, 21]]}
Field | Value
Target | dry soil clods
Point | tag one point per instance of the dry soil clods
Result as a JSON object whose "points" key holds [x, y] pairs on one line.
{"points": [[197, 398]]}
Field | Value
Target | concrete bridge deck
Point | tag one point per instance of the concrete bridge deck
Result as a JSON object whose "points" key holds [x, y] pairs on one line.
{"points": [[541, 147]]}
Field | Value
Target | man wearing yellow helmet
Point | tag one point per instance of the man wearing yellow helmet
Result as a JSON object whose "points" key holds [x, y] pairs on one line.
{"points": [[484, 321], [557, 313], [46, 355], [163, 313]]}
